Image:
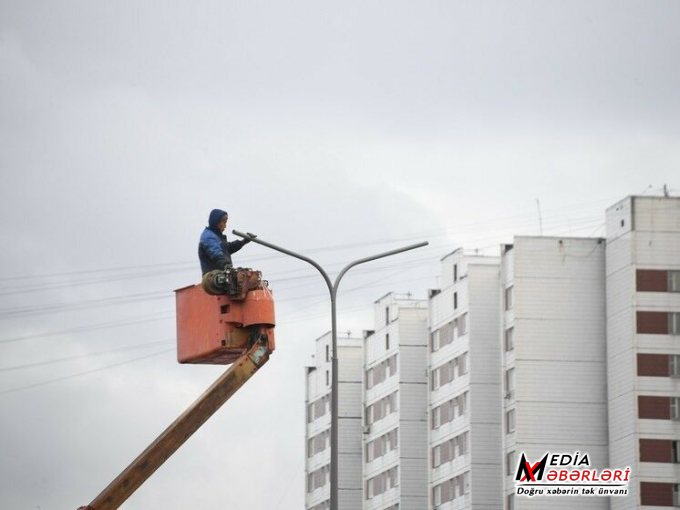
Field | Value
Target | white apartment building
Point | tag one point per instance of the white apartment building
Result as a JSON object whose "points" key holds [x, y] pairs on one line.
{"points": [[465, 400], [643, 348], [318, 420], [553, 358], [559, 345], [395, 406]]}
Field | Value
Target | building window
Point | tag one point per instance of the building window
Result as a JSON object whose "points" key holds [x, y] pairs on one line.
{"points": [[658, 450], [318, 478], [674, 323], [510, 383], [441, 337], [511, 502], [674, 365], [387, 315], [656, 408], [328, 378], [675, 408], [656, 280], [450, 450], [675, 455], [382, 482], [382, 445], [509, 339], [460, 325], [455, 301], [455, 272], [318, 408], [460, 444], [651, 280], [658, 494], [381, 408], [509, 298], [654, 365], [510, 463], [441, 375], [451, 489], [449, 371], [387, 341], [381, 371], [673, 281], [328, 353], [676, 495], [510, 421], [318, 443], [449, 410], [461, 364], [653, 323]]}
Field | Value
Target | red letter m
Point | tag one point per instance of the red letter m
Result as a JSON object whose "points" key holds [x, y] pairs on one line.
{"points": [[534, 473]]}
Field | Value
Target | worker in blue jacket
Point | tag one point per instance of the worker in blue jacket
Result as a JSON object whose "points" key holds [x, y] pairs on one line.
{"points": [[214, 251]]}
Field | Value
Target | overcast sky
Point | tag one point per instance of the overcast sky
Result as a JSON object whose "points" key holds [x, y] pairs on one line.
{"points": [[337, 129]]}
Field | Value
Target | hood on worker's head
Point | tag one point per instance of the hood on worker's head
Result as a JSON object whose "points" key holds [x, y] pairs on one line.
{"points": [[215, 217]]}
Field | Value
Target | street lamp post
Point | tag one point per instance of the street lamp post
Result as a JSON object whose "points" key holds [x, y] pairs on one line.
{"points": [[333, 289]]}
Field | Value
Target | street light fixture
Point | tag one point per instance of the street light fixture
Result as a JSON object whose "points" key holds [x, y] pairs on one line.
{"points": [[333, 289]]}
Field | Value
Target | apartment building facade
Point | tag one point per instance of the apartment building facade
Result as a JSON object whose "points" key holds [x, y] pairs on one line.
{"points": [[318, 423], [395, 406], [465, 419], [552, 344], [559, 345], [643, 348]]}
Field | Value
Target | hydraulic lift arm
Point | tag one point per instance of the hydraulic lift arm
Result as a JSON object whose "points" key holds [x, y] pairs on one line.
{"points": [[182, 428], [232, 323]]}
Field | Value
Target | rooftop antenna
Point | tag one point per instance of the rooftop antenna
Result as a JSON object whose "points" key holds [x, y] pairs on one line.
{"points": [[665, 190], [540, 220]]}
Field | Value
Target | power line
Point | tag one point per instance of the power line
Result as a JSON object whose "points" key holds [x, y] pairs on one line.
{"points": [[92, 327], [363, 306], [159, 272], [92, 303], [475, 225], [72, 376], [127, 298], [85, 355], [169, 314], [14, 312]]}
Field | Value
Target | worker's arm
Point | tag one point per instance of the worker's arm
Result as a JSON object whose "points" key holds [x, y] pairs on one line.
{"points": [[212, 247], [235, 246]]}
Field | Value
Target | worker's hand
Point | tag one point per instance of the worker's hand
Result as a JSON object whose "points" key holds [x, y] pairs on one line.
{"points": [[250, 237]]}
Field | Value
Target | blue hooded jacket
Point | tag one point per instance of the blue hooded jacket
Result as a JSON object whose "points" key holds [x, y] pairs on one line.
{"points": [[214, 251]]}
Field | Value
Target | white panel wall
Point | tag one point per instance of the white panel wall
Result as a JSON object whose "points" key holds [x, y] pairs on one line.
{"points": [[350, 370], [657, 214], [478, 294], [485, 393], [619, 219], [559, 357], [408, 339]]}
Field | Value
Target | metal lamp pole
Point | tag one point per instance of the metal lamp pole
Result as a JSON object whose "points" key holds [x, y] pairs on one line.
{"points": [[333, 289]]}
